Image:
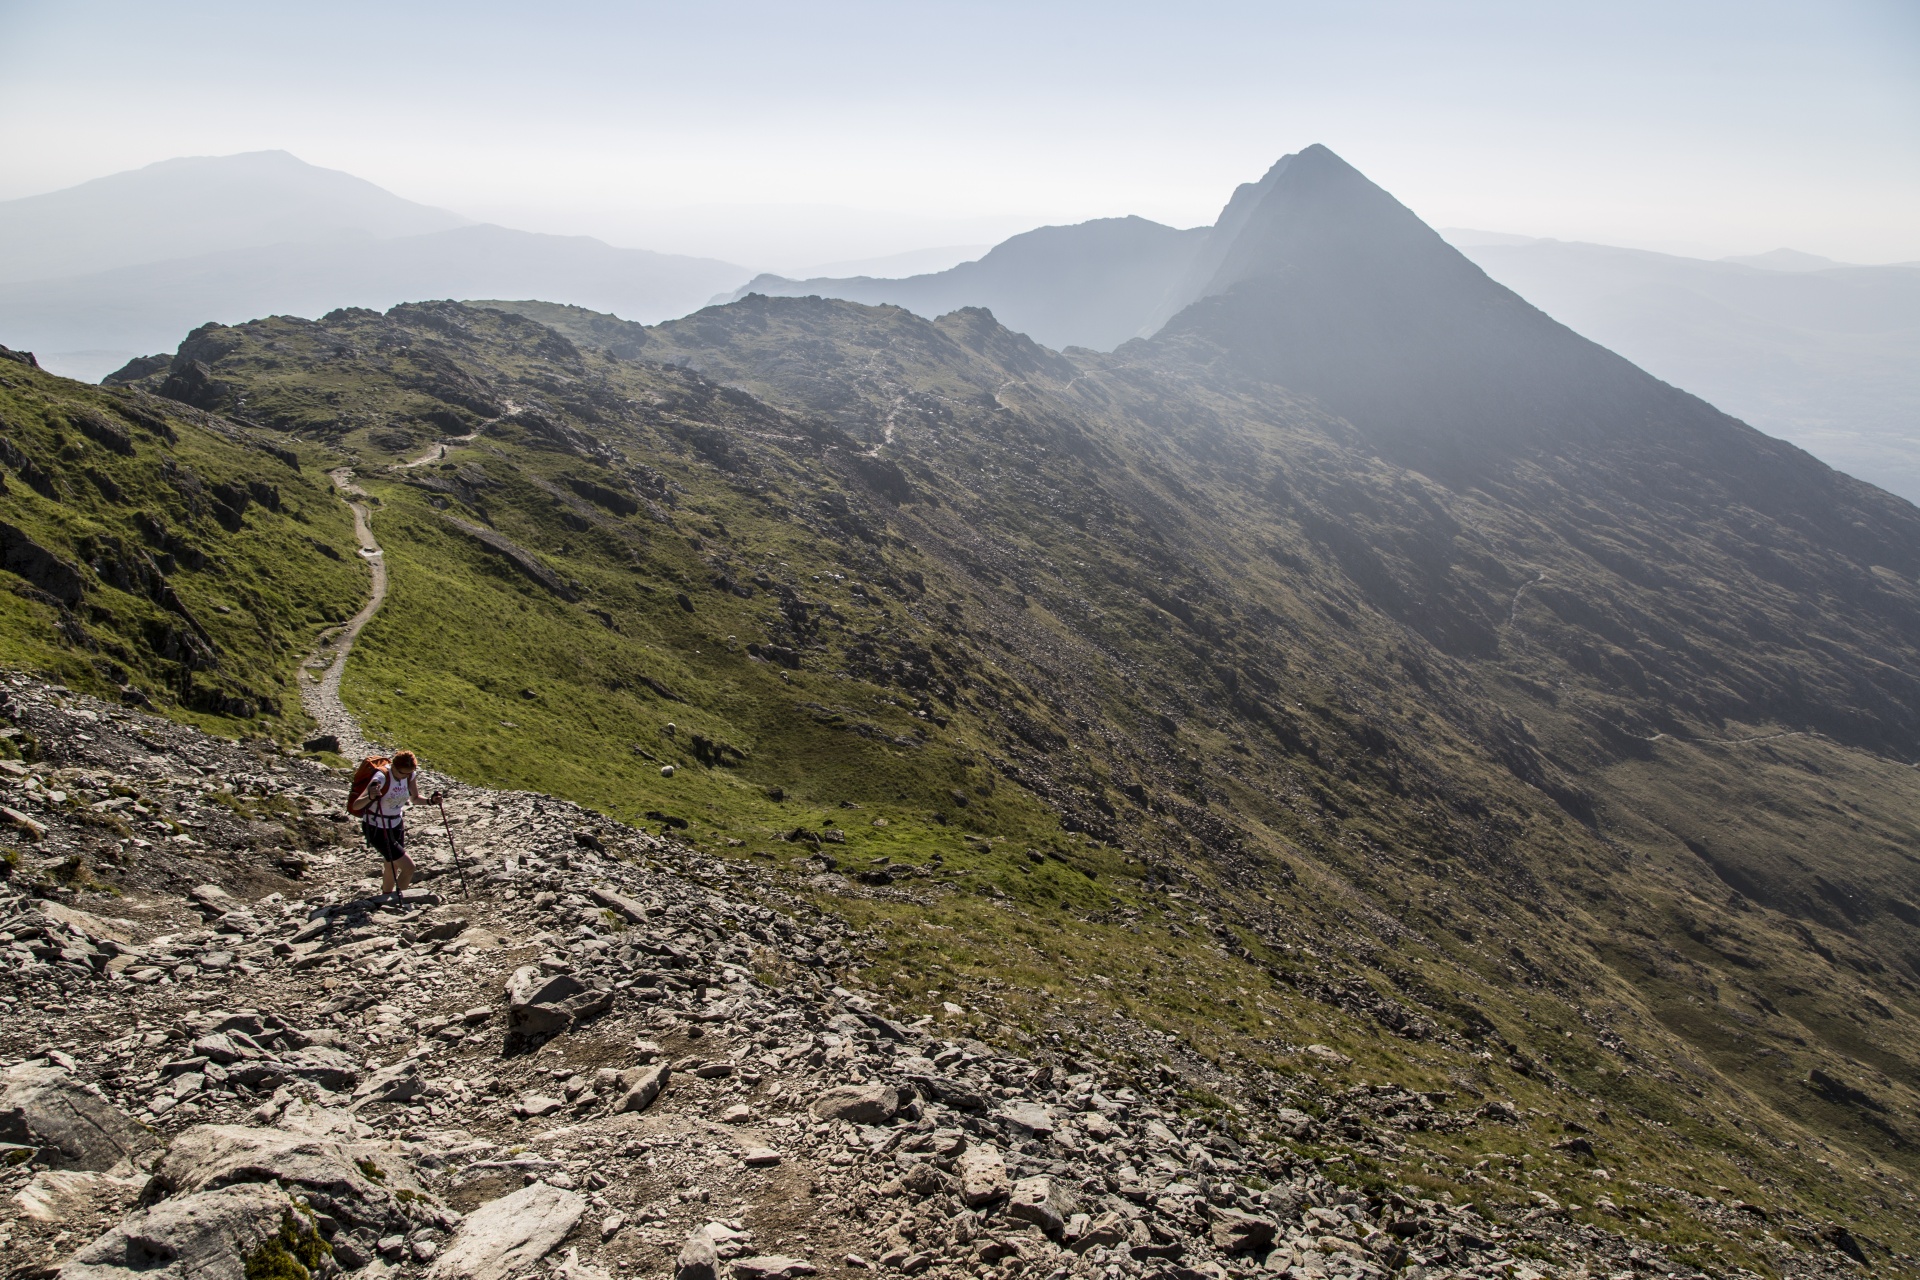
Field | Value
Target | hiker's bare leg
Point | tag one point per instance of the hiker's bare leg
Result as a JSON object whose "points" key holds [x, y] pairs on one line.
{"points": [[405, 865], [386, 877]]}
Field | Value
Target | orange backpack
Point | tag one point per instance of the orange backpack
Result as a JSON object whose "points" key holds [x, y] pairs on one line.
{"points": [[363, 777]]}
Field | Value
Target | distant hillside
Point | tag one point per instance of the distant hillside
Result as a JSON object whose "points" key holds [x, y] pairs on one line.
{"points": [[196, 205], [98, 274], [113, 316], [1094, 284]]}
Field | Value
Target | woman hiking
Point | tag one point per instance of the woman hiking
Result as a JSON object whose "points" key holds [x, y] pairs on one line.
{"points": [[382, 790]]}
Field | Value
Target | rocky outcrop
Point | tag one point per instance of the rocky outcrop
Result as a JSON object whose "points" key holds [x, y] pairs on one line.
{"points": [[522, 559], [220, 1235]]}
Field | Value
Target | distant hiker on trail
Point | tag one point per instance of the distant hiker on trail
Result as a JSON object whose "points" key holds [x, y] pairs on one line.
{"points": [[382, 789]]}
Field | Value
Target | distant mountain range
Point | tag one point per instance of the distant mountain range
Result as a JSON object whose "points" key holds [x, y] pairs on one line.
{"points": [[1821, 353], [121, 266], [199, 205]]}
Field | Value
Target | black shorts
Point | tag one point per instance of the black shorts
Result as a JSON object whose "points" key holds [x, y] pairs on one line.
{"points": [[389, 842]]}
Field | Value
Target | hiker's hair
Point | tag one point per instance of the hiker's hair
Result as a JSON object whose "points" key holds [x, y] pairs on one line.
{"points": [[405, 760]]}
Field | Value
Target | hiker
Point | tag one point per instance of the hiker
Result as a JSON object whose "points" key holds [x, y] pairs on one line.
{"points": [[382, 790]]}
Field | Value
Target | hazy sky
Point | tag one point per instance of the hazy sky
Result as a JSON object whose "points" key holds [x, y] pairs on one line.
{"points": [[1700, 126]]}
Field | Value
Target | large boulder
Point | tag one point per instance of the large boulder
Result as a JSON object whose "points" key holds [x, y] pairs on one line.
{"points": [[72, 1125], [510, 1234], [1237, 1232], [859, 1103], [225, 1234]]}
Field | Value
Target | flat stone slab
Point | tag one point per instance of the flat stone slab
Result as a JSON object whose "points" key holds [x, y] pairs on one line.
{"points": [[510, 1233]]}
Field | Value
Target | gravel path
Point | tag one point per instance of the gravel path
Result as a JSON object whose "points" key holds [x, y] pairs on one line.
{"points": [[320, 683]]}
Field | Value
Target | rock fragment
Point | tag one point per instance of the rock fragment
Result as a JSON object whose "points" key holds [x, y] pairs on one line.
{"points": [[858, 1103], [1042, 1201], [983, 1176], [699, 1257], [1235, 1232], [772, 1267], [640, 1086]]}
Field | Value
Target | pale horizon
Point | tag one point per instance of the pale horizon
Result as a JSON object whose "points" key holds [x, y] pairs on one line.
{"points": [[768, 135]]}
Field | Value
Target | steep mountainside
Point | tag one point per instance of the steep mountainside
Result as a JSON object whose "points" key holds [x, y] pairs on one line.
{"points": [[163, 553], [1824, 355], [1509, 723]]}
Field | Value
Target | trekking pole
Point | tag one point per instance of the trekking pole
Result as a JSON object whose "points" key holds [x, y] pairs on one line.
{"points": [[446, 824]]}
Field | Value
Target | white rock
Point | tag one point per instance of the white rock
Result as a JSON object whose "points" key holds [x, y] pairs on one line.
{"points": [[59, 1194], [509, 1234]]}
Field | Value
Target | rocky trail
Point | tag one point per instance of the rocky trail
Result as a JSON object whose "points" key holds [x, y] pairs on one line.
{"points": [[617, 1057], [323, 668]]}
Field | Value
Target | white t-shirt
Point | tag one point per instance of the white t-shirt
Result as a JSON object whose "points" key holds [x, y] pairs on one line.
{"points": [[390, 809]]}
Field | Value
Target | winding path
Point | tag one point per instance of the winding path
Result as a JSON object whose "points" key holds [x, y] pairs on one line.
{"points": [[320, 693]]}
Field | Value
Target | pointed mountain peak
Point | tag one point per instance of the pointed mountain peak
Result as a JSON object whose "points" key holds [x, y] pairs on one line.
{"points": [[1313, 204], [1317, 279]]}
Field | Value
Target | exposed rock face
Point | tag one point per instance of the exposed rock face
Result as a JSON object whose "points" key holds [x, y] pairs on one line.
{"points": [[70, 1123], [357, 1186]]}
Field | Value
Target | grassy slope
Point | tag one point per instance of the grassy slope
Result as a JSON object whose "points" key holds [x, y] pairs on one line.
{"points": [[1305, 814], [157, 558]]}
